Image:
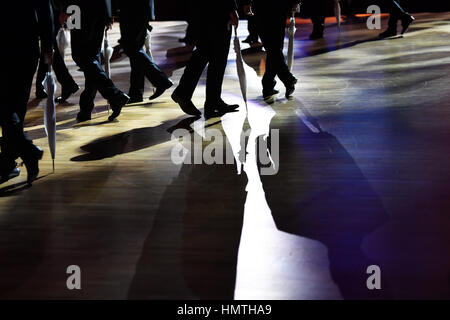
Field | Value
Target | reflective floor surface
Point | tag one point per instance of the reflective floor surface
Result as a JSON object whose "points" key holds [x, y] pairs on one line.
{"points": [[304, 195]]}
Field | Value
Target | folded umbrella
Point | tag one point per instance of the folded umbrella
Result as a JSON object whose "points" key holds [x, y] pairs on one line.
{"points": [[337, 13], [291, 31], [148, 44], [107, 54], [63, 40], [240, 67], [50, 113]]}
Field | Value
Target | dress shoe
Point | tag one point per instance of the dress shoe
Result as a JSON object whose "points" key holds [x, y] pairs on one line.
{"points": [[9, 173], [116, 105], [40, 93], [66, 92], [135, 99], [290, 88], [317, 32], [186, 105], [388, 33], [406, 22], [31, 160], [250, 40], [268, 94], [219, 109], [83, 116], [160, 90], [316, 36], [187, 40]]}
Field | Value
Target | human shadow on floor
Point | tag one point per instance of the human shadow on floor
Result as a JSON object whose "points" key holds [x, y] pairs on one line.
{"points": [[129, 141], [17, 188], [320, 193], [191, 252]]}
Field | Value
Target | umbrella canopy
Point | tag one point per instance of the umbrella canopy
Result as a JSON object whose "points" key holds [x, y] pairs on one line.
{"points": [[291, 31], [63, 40], [337, 13], [240, 66], [50, 113]]}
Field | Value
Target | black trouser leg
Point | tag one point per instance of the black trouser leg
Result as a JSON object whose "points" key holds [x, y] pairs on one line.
{"points": [[193, 71], [137, 77], [212, 47], [87, 97], [133, 38], [272, 32], [86, 48], [40, 76], [396, 12], [192, 74], [59, 67], [252, 28], [318, 15], [16, 83], [219, 47]]}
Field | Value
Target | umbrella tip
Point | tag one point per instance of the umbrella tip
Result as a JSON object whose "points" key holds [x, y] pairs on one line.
{"points": [[53, 165]]}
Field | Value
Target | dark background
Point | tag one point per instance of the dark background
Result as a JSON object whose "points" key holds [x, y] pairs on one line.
{"points": [[177, 9]]}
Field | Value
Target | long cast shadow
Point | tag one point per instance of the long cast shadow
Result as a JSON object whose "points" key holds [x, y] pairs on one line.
{"points": [[191, 253], [130, 141], [320, 193]]}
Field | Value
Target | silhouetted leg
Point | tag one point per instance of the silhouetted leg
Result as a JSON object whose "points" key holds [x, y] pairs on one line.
{"points": [[40, 76], [219, 42], [252, 28], [264, 31], [87, 97], [192, 73], [86, 47], [272, 35], [133, 39], [280, 65], [61, 72], [318, 18], [16, 83]]}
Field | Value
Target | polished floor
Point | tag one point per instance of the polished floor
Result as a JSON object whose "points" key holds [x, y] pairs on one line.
{"points": [[360, 177]]}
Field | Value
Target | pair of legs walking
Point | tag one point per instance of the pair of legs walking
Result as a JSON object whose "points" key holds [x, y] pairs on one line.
{"points": [[272, 30], [16, 83], [68, 85], [134, 31], [212, 50], [86, 48]]}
